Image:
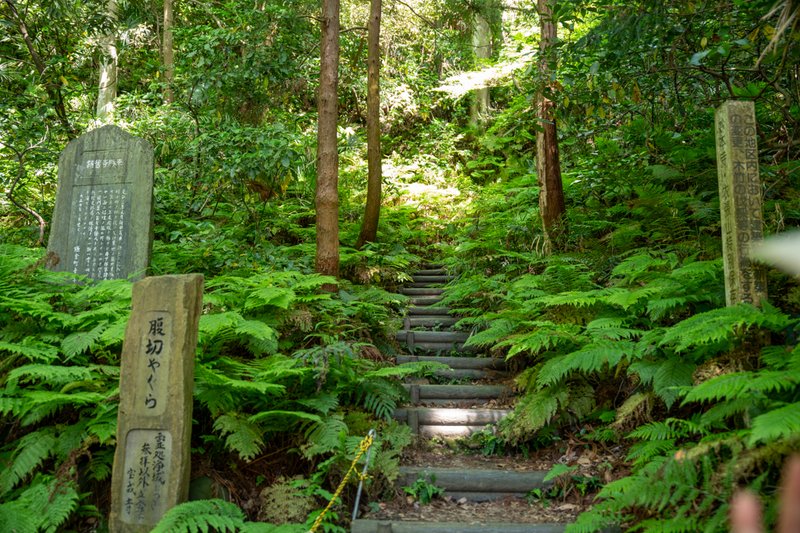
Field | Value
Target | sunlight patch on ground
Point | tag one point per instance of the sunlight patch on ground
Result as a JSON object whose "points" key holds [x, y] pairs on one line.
{"points": [[460, 84]]}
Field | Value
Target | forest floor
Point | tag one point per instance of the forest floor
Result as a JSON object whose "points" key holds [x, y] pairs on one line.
{"points": [[571, 495]]}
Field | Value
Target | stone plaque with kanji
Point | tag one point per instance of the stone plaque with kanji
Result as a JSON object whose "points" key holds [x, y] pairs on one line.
{"points": [[740, 201], [102, 222], [151, 463]]}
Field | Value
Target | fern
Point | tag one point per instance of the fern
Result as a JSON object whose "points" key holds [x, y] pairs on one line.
{"points": [[595, 357], [324, 437], [242, 435], [201, 516], [31, 451], [79, 342], [780, 423]]}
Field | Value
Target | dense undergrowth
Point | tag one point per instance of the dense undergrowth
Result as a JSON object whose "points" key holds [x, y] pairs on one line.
{"points": [[623, 335]]}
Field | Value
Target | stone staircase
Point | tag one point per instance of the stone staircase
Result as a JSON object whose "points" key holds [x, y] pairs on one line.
{"points": [[464, 402]]}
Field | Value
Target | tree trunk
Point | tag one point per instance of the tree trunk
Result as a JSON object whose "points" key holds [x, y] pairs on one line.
{"points": [[548, 169], [482, 43], [369, 229], [327, 194], [167, 53], [107, 92]]}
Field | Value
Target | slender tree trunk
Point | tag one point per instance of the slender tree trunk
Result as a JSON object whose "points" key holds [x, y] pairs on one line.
{"points": [[167, 53], [369, 229], [53, 88], [482, 43], [107, 91], [548, 169], [327, 194]]}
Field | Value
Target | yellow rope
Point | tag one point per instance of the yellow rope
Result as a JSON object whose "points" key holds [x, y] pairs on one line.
{"points": [[363, 446]]}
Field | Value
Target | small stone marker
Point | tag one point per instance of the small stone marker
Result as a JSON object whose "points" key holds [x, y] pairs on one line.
{"points": [[102, 222], [151, 463], [740, 201]]}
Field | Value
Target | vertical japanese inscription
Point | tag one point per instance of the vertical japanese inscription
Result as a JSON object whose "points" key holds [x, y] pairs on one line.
{"points": [[154, 363], [740, 201], [152, 459], [102, 220], [147, 465]]}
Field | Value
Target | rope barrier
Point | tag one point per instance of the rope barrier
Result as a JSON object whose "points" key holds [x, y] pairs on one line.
{"points": [[363, 447]]}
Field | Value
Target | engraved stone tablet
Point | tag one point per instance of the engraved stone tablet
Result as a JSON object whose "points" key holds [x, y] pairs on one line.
{"points": [[740, 201], [102, 221], [151, 463]]}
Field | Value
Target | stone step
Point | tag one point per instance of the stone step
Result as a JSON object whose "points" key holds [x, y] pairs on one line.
{"points": [[429, 321], [476, 484], [428, 310], [426, 278], [413, 284], [447, 393], [488, 363], [421, 291], [448, 422], [408, 526], [443, 348], [411, 336], [430, 272], [425, 300]]}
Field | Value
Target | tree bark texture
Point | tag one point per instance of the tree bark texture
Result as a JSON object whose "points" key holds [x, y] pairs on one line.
{"points": [[548, 169], [107, 87], [167, 53], [369, 228], [327, 193], [482, 43]]}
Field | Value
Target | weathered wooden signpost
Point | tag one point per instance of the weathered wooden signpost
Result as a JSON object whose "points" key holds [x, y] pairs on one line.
{"points": [[740, 201], [102, 222], [151, 463]]}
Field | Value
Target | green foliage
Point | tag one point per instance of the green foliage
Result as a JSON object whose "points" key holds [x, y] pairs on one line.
{"points": [[424, 490]]}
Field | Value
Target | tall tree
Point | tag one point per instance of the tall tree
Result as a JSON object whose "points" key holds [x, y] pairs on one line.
{"points": [[482, 44], [327, 193], [167, 53], [369, 229], [548, 169], [107, 90]]}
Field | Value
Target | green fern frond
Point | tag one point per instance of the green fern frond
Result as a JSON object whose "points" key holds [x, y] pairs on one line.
{"points": [[638, 267], [324, 436], [54, 500], [278, 297], [723, 325], [201, 516], [31, 451], [262, 338], [595, 357], [497, 331], [534, 411], [546, 336], [43, 403], [289, 418], [52, 375], [380, 396], [32, 349], [323, 403], [80, 341], [612, 328], [670, 377], [643, 453], [242, 435], [780, 423]]}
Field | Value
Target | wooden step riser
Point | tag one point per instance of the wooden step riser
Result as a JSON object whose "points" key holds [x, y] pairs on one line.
{"points": [[451, 417], [425, 300], [430, 321], [488, 363], [423, 291], [476, 480], [413, 336], [428, 310], [442, 347], [431, 279], [384, 526], [430, 272], [423, 393]]}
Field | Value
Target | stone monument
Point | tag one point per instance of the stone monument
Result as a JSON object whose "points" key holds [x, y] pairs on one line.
{"points": [[740, 201], [102, 223], [151, 463]]}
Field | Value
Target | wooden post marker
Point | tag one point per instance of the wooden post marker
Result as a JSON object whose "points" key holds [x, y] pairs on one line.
{"points": [[103, 217], [151, 463], [740, 201]]}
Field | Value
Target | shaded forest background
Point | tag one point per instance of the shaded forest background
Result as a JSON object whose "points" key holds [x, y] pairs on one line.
{"points": [[615, 317]]}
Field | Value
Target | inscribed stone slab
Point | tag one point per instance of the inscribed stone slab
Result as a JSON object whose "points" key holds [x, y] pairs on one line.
{"points": [[151, 463], [740, 201], [102, 223]]}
